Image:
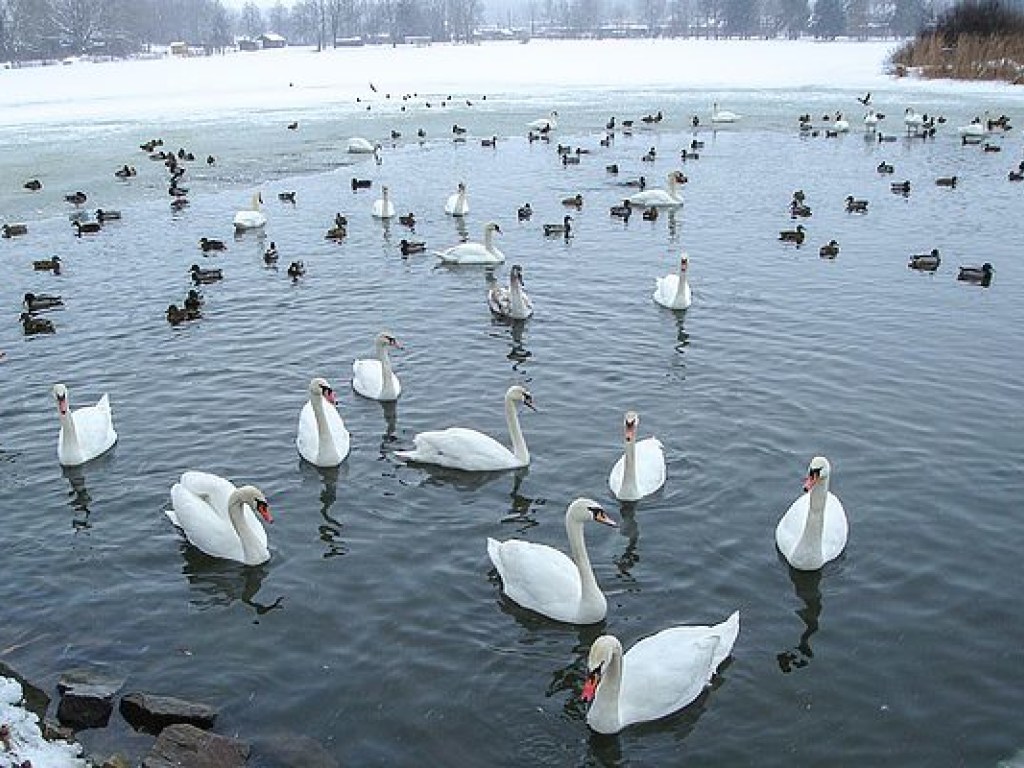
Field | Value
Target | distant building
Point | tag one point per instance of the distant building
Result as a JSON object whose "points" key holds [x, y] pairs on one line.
{"points": [[245, 44], [272, 40], [179, 48]]}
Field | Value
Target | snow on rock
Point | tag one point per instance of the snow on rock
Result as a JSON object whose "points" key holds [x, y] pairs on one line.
{"points": [[24, 741]]}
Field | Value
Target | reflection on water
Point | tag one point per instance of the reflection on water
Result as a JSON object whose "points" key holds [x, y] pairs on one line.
{"points": [[78, 497], [682, 337], [630, 556], [521, 508], [330, 529], [808, 588], [216, 582]]}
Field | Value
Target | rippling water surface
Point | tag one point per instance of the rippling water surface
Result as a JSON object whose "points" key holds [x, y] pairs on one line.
{"points": [[377, 628]]}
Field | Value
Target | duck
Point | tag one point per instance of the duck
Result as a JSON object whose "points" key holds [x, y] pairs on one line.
{"points": [[524, 212], [286, 197], [612, 169], [357, 145], [177, 315], [76, 198], [293, 126], [623, 211], [511, 302], [251, 218], [125, 172], [814, 529], [884, 167], [36, 302], [793, 235], [1015, 175], [383, 208], [474, 253], [544, 580], [673, 291], [570, 159], [358, 184], [722, 115], [659, 675], [374, 378], [15, 230], [457, 204], [661, 197], [207, 245], [946, 181], [544, 124], [36, 325], [205, 275], [106, 214], [270, 256], [900, 187], [865, 99], [853, 205], [650, 214], [407, 219], [85, 433], [564, 229], [322, 438], [649, 156], [48, 265], [980, 275], [408, 247], [640, 471], [458, 130], [798, 209], [830, 250], [87, 227], [473, 451], [219, 518], [296, 270], [33, 185], [193, 300], [576, 201], [925, 262], [639, 183]]}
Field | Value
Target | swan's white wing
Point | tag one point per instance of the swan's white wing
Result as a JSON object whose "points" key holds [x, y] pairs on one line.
{"points": [[656, 197], [615, 476], [498, 299], [538, 577], [460, 448], [95, 429], [368, 378], [650, 465], [470, 253], [205, 526], [307, 439], [834, 532], [665, 289], [663, 673]]}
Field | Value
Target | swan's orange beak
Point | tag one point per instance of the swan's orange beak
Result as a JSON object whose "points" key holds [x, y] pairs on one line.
{"points": [[811, 480], [604, 518], [590, 686], [263, 510]]}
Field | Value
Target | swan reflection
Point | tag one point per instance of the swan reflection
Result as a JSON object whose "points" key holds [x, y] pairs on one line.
{"points": [[808, 588], [78, 498], [216, 582], [329, 529]]}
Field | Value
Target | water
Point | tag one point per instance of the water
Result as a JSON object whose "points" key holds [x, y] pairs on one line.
{"points": [[377, 628]]}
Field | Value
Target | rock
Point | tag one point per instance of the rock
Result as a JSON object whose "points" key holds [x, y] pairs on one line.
{"points": [[52, 730], [148, 712], [185, 746], [116, 761], [36, 700], [87, 698]]}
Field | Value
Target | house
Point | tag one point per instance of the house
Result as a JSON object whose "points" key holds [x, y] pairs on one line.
{"points": [[179, 48], [245, 44], [273, 40]]}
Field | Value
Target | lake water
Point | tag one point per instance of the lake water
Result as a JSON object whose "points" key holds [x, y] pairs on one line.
{"points": [[377, 629]]}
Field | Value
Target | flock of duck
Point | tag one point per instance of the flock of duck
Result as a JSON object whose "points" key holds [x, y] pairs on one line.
{"points": [[660, 674]]}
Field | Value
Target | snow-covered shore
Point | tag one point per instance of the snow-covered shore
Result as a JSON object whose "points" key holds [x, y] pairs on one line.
{"points": [[24, 740]]}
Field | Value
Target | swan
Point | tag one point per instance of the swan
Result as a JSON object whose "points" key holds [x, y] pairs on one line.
{"points": [[975, 128], [473, 451], [548, 123], [251, 218], [383, 208], [357, 145], [871, 121], [673, 291], [474, 253], [511, 302], [85, 433], [543, 579], [322, 437], [457, 205], [814, 528], [218, 518], [841, 124], [374, 378], [722, 115], [913, 120], [657, 676], [660, 197], [641, 469]]}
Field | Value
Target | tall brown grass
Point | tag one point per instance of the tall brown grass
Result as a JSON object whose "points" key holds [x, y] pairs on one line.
{"points": [[968, 57]]}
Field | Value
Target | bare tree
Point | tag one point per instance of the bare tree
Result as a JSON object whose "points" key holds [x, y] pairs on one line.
{"points": [[251, 22], [80, 22]]}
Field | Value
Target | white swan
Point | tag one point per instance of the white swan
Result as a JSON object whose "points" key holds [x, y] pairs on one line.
{"points": [[673, 291], [723, 115], [511, 302], [871, 121], [322, 438], [544, 580], [357, 145], [374, 378], [840, 124], [218, 518], [640, 471], [912, 119], [457, 204], [84, 434], [250, 218], [659, 197], [548, 123], [974, 129], [473, 451], [659, 675], [474, 253], [383, 208], [814, 528]]}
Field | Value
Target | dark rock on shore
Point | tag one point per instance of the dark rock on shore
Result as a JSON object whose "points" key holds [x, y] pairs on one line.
{"points": [[185, 746], [152, 713], [87, 698], [36, 700]]}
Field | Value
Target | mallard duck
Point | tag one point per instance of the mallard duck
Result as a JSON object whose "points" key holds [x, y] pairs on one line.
{"points": [[336, 233], [205, 275], [361, 183], [925, 262], [565, 228], [48, 265], [900, 187], [36, 302], [292, 126], [793, 235], [296, 270], [576, 201], [639, 183], [980, 275], [623, 211], [286, 197], [524, 212], [407, 220], [15, 230], [884, 167], [946, 181], [33, 184], [106, 214], [650, 214], [193, 300], [830, 250], [570, 159], [613, 168], [208, 244], [87, 228], [76, 198], [491, 142], [797, 209], [853, 205], [177, 315], [34, 325], [411, 246], [270, 255], [649, 156], [125, 172]]}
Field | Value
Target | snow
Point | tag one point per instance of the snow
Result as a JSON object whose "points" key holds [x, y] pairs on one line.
{"points": [[26, 740]]}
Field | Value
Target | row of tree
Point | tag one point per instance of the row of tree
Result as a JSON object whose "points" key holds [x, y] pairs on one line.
{"points": [[31, 29]]}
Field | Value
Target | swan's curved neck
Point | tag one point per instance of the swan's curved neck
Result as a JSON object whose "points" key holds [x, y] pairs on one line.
{"points": [[589, 592], [518, 441], [325, 449], [629, 489], [387, 383], [604, 712], [809, 545], [69, 435], [489, 239], [681, 285], [236, 513], [515, 298]]}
